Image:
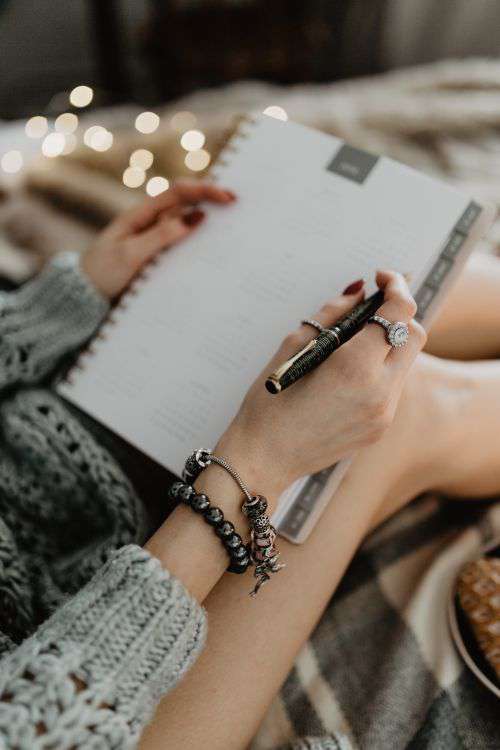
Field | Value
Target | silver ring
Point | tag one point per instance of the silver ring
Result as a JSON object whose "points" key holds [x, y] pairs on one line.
{"points": [[397, 333], [313, 323]]}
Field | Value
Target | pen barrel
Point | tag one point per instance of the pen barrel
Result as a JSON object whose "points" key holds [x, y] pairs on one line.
{"points": [[325, 345], [354, 320], [327, 342]]}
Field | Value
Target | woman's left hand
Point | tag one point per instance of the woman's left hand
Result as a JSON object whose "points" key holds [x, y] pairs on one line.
{"points": [[136, 236]]}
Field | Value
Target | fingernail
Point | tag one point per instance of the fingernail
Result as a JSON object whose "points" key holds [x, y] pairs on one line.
{"points": [[194, 217], [231, 195], [355, 287]]}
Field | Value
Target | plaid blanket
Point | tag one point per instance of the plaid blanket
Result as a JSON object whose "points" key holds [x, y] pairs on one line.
{"points": [[381, 671]]}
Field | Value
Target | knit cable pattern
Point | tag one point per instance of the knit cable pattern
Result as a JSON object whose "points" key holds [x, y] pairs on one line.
{"points": [[46, 318], [91, 675]]}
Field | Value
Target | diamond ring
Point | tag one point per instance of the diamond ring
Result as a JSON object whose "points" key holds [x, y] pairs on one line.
{"points": [[396, 333]]}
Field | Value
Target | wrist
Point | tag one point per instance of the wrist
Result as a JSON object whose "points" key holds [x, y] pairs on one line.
{"points": [[255, 467]]}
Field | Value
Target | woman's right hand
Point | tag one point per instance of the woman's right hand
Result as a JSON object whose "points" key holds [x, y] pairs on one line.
{"points": [[346, 403]]}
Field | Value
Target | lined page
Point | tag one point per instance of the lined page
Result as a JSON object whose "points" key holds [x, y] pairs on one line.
{"points": [[179, 359]]}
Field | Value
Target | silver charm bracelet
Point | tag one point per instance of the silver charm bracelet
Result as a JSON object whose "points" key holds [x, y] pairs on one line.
{"points": [[264, 554]]}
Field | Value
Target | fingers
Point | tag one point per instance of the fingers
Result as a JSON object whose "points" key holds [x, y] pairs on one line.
{"points": [[398, 306], [328, 314], [180, 195], [164, 233]]}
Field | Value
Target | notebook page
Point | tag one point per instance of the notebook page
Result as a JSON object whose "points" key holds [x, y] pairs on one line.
{"points": [[176, 364]]}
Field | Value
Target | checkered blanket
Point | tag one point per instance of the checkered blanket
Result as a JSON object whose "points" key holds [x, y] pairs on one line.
{"points": [[381, 671]]}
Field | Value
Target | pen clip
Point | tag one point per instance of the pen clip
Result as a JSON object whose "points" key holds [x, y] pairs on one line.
{"points": [[276, 376]]}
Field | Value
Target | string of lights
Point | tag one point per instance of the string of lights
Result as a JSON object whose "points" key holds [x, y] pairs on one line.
{"points": [[66, 133]]}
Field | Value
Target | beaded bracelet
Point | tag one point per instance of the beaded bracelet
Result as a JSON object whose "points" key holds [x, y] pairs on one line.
{"points": [[264, 554], [232, 541]]}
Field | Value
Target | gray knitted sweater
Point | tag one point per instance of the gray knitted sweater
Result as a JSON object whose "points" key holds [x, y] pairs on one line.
{"points": [[93, 631]]}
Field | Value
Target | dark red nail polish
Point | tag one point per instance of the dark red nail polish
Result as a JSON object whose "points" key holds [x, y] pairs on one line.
{"points": [[231, 195], [355, 287], [194, 217]]}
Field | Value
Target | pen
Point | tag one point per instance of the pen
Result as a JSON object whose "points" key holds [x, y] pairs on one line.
{"points": [[325, 343]]}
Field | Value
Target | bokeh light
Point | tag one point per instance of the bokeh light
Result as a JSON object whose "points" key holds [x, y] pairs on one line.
{"points": [[157, 185], [101, 140], [66, 123], [12, 162], [147, 122], [142, 158], [277, 112], [197, 160], [133, 177], [81, 96], [70, 142], [53, 145], [87, 136], [36, 127], [98, 138], [193, 140], [182, 121]]}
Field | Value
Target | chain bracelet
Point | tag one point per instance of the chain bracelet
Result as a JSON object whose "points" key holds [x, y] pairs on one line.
{"points": [[264, 554], [211, 459]]}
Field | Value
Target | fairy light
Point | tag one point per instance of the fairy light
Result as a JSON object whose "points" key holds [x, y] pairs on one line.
{"points": [[133, 177], [197, 160], [36, 127], [157, 185], [101, 140], [183, 121], [70, 142], [11, 162], [53, 145], [277, 112], [66, 123], [193, 140], [98, 138], [142, 159], [81, 96], [147, 122], [87, 136]]}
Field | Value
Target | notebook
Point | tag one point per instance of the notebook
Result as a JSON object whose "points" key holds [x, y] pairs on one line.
{"points": [[173, 361]]}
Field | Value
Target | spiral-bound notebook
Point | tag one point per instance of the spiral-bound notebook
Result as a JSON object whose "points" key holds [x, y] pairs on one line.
{"points": [[170, 366]]}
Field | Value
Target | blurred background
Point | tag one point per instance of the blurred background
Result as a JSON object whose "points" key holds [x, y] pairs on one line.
{"points": [[104, 101]]}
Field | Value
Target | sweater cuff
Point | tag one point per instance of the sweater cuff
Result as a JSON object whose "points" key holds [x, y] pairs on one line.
{"points": [[93, 673], [330, 742], [132, 633], [47, 318]]}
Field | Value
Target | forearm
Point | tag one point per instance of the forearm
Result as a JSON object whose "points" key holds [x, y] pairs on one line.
{"points": [[252, 643]]}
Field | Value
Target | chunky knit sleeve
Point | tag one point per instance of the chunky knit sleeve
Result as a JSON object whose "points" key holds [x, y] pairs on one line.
{"points": [[45, 319], [91, 676], [330, 742]]}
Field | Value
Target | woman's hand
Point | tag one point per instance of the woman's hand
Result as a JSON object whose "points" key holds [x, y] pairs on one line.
{"points": [[136, 236], [346, 403]]}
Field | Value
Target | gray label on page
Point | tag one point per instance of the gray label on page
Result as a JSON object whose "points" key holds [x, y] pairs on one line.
{"points": [[352, 163]]}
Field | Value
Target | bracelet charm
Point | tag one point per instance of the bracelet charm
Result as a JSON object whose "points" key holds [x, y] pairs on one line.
{"points": [[263, 554]]}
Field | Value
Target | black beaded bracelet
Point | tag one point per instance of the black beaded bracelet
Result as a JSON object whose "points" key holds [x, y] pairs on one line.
{"points": [[214, 517], [262, 550]]}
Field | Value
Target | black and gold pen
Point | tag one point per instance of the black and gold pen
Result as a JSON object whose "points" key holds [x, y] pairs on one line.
{"points": [[325, 343]]}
